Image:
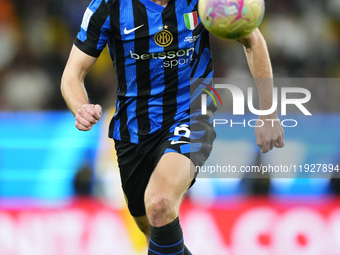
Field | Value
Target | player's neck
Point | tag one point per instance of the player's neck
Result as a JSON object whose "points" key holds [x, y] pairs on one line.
{"points": [[163, 3]]}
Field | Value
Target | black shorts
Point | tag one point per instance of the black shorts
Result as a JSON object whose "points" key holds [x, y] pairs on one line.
{"points": [[136, 162]]}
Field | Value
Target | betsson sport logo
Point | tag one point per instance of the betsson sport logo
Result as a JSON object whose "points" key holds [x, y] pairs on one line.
{"points": [[184, 56], [238, 105]]}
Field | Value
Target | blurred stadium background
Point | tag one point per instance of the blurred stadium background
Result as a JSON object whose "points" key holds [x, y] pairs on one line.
{"points": [[60, 189]]}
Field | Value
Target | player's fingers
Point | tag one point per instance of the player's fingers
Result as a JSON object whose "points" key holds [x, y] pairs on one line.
{"points": [[94, 110], [82, 121], [81, 127], [265, 147], [260, 143], [98, 109], [280, 143], [87, 111], [84, 113], [271, 144]]}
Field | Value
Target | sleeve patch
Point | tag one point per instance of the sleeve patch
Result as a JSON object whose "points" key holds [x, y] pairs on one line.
{"points": [[86, 19]]}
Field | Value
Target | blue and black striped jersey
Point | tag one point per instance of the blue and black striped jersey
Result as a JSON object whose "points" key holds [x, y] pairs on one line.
{"points": [[156, 51]]}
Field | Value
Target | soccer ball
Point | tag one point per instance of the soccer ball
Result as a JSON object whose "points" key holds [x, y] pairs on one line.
{"points": [[231, 19]]}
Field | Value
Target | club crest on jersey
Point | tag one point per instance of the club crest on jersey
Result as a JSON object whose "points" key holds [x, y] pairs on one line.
{"points": [[191, 20], [163, 38]]}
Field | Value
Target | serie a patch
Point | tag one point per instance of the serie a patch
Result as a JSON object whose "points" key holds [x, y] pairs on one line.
{"points": [[86, 19]]}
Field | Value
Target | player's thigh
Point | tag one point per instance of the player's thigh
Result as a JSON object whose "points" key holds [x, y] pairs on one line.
{"points": [[170, 179]]}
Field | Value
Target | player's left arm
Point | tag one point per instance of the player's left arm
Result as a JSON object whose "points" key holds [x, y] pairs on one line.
{"points": [[271, 133]]}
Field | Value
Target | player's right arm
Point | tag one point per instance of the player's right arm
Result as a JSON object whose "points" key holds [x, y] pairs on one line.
{"points": [[74, 92], [94, 33]]}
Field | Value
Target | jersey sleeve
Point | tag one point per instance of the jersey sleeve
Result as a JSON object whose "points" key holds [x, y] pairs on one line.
{"points": [[95, 29]]}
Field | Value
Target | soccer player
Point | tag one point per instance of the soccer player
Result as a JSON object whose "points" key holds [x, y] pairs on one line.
{"points": [[157, 47]]}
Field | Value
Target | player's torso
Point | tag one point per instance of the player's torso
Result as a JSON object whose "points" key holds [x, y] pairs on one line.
{"points": [[156, 51], [153, 45]]}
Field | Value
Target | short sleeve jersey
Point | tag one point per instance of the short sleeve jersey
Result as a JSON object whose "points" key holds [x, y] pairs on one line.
{"points": [[156, 51]]}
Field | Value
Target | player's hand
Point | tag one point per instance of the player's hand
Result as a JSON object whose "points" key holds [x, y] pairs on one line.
{"points": [[87, 116], [270, 134]]}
